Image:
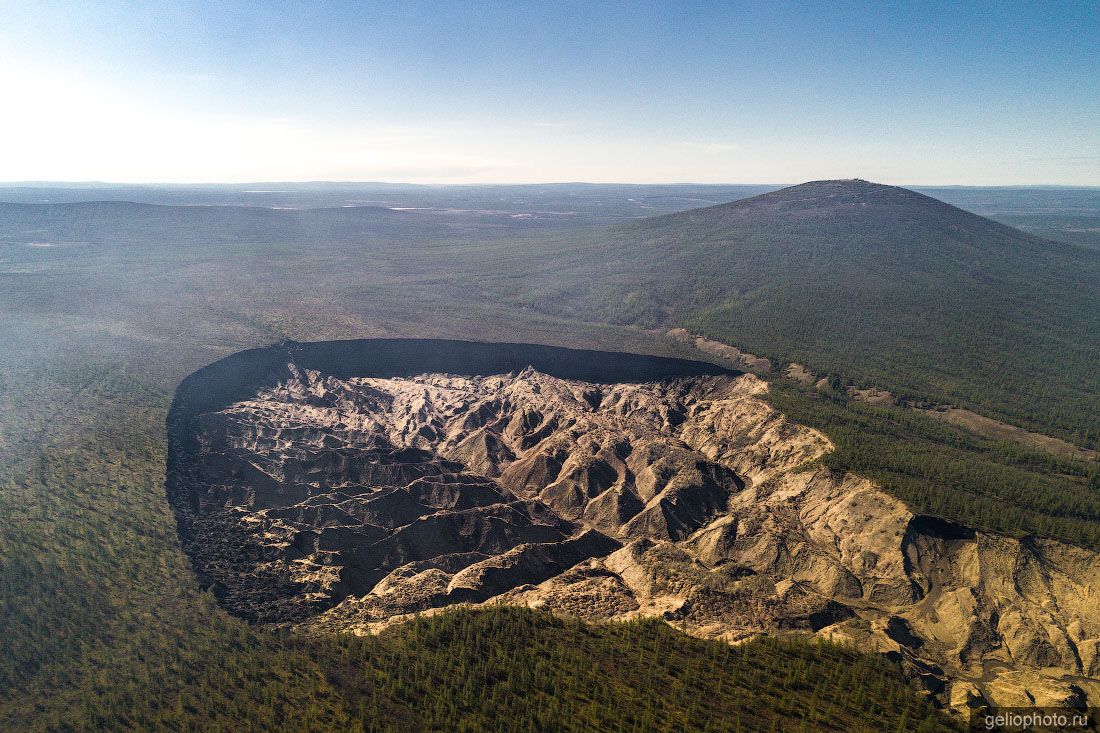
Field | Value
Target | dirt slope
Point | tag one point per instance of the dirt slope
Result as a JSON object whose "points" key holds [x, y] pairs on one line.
{"points": [[347, 504]]}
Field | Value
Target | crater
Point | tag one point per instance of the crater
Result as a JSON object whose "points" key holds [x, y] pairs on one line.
{"points": [[343, 486], [404, 475]]}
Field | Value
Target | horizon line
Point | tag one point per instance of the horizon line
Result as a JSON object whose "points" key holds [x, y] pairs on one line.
{"points": [[314, 182]]}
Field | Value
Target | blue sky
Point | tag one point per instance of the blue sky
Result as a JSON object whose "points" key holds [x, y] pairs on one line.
{"points": [[919, 93]]}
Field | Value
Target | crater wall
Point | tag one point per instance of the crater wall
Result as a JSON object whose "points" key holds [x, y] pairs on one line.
{"points": [[342, 486]]}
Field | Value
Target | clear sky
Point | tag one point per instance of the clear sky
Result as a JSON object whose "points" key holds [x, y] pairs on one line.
{"points": [[899, 92]]}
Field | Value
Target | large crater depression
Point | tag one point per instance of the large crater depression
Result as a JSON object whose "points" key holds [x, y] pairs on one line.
{"points": [[343, 485], [368, 479]]}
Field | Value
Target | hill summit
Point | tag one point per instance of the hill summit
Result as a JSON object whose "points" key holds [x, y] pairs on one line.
{"points": [[832, 196], [878, 283], [850, 217]]}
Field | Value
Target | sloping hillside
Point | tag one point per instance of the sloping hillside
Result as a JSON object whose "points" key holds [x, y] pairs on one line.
{"points": [[881, 284]]}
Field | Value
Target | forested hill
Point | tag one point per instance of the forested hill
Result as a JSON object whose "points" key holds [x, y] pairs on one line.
{"points": [[125, 222], [881, 284]]}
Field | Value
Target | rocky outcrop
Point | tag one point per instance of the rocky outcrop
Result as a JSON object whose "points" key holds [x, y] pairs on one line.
{"points": [[348, 503]]}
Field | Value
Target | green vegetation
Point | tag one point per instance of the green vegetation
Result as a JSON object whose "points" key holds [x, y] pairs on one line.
{"points": [[877, 286], [103, 625], [106, 630], [943, 470], [881, 285], [512, 669]]}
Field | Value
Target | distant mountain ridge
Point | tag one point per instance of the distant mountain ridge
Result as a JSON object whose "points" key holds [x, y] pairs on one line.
{"points": [[1069, 214]]}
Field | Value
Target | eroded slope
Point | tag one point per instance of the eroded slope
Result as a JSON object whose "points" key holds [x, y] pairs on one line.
{"points": [[347, 503]]}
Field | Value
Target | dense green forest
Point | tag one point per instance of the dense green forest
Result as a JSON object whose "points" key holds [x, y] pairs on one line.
{"points": [[944, 470], [105, 629], [879, 284]]}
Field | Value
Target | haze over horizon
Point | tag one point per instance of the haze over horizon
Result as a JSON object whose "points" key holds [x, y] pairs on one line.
{"points": [[988, 94]]}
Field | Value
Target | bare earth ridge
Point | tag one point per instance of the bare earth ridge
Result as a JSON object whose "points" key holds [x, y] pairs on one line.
{"points": [[347, 504]]}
